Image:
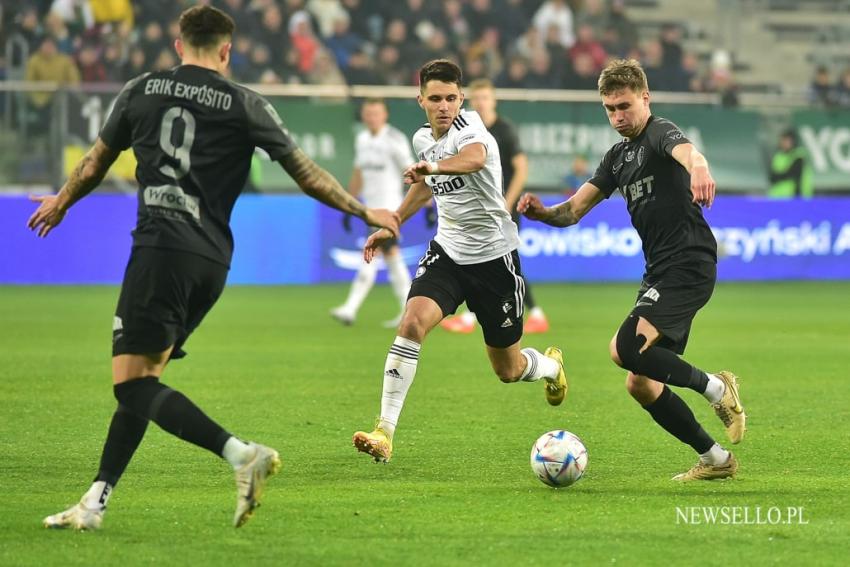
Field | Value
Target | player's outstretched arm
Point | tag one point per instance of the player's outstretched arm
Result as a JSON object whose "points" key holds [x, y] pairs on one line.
{"points": [[469, 159], [417, 196], [87, 175], [702, 183], [563, 214], [322, 186]]}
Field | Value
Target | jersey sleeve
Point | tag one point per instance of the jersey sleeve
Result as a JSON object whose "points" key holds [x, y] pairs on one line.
{"points": [[117, 130], [266, 129], [468, 133], [604, 178], [663, 136]]}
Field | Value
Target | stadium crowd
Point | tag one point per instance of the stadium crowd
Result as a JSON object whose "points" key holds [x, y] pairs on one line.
{"points": [[516, 43]]}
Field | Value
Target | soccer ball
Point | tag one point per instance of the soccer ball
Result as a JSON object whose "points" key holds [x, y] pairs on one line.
{"points": [[558, 458]]}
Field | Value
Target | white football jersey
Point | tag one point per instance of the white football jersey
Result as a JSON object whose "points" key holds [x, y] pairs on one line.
{"points": [[473, 225], [382, 159]]}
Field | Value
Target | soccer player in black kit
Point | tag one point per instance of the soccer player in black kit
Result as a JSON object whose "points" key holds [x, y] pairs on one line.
{"points": [[514, 175], [193, 133], [665, 181]]}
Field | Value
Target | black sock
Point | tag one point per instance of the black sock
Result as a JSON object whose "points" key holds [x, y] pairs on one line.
{"points": [[172, 411], [665, 366], [673, 414], [125, 434], [528, 299]]}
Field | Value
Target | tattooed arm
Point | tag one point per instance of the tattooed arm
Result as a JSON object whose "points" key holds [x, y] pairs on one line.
{"points": [[87, 175], [322, 186], [563, 214]]}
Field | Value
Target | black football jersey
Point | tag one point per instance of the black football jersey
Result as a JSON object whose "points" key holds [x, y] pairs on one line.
{"points": [[657, 190], [508, 142], [193, 133]]}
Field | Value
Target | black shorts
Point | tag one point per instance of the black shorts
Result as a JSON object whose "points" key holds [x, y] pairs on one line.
{"points": [[492, 290], [671, 300], [164, 297]]}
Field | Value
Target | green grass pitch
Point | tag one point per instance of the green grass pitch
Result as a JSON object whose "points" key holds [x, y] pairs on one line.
{"points": [[270, 365]]}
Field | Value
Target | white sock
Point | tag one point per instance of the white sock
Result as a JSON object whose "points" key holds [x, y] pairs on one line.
{"points": [[717, 455], [536, 312], [399, 372], [468, 317], [98, 495], [715, 389], [538, 365], [399, 277], [237, 452], [360, 287]]}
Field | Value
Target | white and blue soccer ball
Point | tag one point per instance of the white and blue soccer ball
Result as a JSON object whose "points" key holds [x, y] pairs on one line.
{"points": [[558, 458]]}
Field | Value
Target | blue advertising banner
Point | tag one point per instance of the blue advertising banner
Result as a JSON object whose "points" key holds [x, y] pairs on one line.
{"points": [[295, 240]]}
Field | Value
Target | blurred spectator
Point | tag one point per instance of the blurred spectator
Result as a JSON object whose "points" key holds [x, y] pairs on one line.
{"points": [[135, 65], [511, 21], [47, 64], [273, 35], [325, 72], [540, 74], [514, 76], [618, 19], [487, 49], [408, 53], [530, 42], [77, 14], [259, 61], [721, 80], [56, 28], [593, 14], [458, 27], [579, 173], [584, 76], [365, 22], [92, 69], [587, 43], [481, 16], [557, 14], [165, 60], [671, 49], [842, 89], [390, 71], [113, 61], [475, 69], [327, 14], [360, 70], [651, 62], [613, 44], [240, 55], [28, 26], [790, 172], [153, 40], [821, 91], [303, 40], [342, 43]]}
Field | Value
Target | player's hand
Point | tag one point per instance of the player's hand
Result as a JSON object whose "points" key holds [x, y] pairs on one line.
{"points": [[346, 222], [375, 240], [47, 216], [530, 206], [384, 218], [702, 186], [416, 172]]}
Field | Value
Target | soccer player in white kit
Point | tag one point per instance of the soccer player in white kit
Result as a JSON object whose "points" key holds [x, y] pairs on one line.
{"points": [[473, 257], [381, 154]]}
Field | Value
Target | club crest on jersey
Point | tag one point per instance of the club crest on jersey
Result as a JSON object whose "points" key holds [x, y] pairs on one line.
{"points": [[640, 156], [630, 155], [419, 271]]}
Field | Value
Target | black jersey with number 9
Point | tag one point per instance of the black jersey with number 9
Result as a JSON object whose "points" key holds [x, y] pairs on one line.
{"points": [[193, 133]]}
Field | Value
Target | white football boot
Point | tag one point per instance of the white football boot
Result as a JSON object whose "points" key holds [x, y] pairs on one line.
{"points": [[251, 479], [77, 517]]}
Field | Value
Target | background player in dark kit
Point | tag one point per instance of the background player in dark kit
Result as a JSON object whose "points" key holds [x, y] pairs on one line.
{"points": [[665, 181], [193, 133]]}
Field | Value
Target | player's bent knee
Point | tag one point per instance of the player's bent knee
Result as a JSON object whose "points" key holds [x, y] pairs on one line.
{"points": [[612, 351], [627, 345]]}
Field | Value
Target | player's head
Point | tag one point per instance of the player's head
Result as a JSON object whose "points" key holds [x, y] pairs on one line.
{"points": [[625, 96], [482, 95], [439, 93], [374, 114], [205, 33]]}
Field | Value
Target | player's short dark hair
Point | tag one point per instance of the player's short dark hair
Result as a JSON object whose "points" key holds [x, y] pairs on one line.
{"points": [[621, 74], [440, 70], [204, 26]]}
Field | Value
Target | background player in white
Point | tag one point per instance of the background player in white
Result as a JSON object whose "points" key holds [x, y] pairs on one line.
{"points": [[381, 153], [472, 258]]}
